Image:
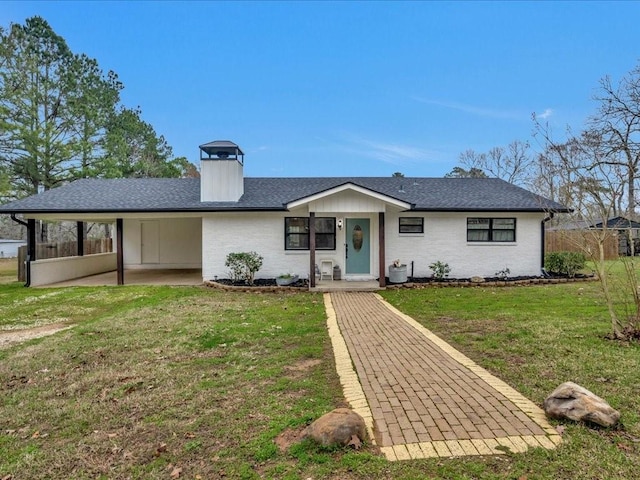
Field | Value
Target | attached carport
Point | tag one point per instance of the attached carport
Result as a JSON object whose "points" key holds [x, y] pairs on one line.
{"points": [[146, 245], [157, 226]]}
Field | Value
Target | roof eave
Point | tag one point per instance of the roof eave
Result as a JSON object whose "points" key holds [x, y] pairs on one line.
{"points": [[32, 212], [503, 209]]}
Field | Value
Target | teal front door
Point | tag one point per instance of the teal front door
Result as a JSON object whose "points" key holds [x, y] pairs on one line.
{"points": [[358, 246]]}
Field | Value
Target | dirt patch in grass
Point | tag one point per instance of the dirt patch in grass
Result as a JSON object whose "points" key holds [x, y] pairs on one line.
{"points": [[289, 437], [299, 368], [17, 336]]}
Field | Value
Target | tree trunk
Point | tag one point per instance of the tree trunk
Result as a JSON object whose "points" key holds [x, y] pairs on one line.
{"points": [[616, 328], [631, 208]]}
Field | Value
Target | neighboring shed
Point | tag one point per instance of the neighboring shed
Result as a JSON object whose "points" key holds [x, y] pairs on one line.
{"points": [[9, 248], [628, 234]]}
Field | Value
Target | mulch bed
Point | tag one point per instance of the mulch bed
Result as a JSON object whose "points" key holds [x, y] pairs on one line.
{"points": [[489, 281], [260, 285], [269, 284]]}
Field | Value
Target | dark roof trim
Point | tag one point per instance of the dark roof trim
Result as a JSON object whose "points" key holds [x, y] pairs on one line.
{"points": [[159, 210], [512, 210], [270, 209]]}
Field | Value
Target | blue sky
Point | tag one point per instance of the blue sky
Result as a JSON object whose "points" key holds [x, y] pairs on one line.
{"points": [[351, 88]]}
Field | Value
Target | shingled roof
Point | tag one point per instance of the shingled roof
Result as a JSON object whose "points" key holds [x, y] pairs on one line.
{"points": [[183, 195]]}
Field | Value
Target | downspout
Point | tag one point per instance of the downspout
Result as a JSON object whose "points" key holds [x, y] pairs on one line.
{"points": [[27, 263], [542, 241]]}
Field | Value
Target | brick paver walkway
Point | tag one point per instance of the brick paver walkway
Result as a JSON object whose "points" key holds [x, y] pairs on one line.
{"points": [[418, 395]]}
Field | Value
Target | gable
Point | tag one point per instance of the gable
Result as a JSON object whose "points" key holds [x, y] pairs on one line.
{"points": [[348, 198]]}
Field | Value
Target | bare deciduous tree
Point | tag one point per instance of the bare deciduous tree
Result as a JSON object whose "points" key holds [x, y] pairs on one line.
{"points": [[459, 172], [511, 163], [592, 185], [618, 122]]}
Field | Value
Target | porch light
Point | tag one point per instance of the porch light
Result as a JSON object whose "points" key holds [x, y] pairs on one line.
{"points": [[339, 224]]}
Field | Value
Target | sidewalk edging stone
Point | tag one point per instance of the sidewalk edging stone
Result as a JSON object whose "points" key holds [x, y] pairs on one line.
{"points": [[351, 386]]}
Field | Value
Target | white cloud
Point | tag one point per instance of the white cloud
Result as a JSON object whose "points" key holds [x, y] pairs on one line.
{"points": [[472, 109], [388, 152], [546, 114]]}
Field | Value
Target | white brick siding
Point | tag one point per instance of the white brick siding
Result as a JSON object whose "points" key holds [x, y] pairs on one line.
{"points": [[444, 239]]}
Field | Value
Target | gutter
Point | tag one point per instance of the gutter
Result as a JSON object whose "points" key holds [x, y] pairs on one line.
{"points": [[542, 239], [27, 262]]}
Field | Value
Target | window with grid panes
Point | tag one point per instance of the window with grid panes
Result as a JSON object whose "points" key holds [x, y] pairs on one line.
{"points": [[491, 229]]}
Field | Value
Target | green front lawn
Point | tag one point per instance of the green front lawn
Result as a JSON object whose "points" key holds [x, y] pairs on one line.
{"points": [[194, 382], [8, 270]]}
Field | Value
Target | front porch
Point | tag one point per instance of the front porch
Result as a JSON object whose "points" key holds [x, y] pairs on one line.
{"points": [[346, 286], [355, 244]]}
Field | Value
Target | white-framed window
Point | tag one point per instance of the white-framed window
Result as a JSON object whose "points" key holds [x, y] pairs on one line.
{"points": [[480, 229], [296, 233]]}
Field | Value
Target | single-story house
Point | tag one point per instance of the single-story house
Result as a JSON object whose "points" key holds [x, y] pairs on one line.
{"points": [[479, 226]]}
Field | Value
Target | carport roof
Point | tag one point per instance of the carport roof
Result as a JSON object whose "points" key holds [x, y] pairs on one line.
{"points": [[183, 195]]}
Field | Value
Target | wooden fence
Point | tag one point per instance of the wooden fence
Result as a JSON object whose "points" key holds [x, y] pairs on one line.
{"points": [[580, 241], [62, 249]]}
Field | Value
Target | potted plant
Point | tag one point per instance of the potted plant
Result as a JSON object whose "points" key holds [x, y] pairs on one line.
{"points": [[397, 272], [286, 279]]}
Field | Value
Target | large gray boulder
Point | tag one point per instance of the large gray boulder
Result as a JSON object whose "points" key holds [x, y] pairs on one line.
{"points": [[338, 427], [574, 402]]}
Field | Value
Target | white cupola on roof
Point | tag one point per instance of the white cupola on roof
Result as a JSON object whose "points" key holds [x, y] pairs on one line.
{"points": [[221, 172]]}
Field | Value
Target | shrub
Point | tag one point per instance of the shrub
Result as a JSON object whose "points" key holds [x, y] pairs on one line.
{"points": [[564, 263], [503, 274], [440, 269], [244, 265]]}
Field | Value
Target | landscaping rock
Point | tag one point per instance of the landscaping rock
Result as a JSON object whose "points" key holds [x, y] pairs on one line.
{"points": [[574, 402], [477, 279], [337, 427]]}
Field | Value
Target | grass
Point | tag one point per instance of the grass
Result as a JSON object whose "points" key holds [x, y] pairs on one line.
{"points": [[8, 269], [155, 381]]}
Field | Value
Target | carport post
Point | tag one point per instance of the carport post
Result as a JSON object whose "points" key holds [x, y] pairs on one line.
{"points": [[31, 240], [81, 235], [119, 253], [312, 249], [381, 251]]}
